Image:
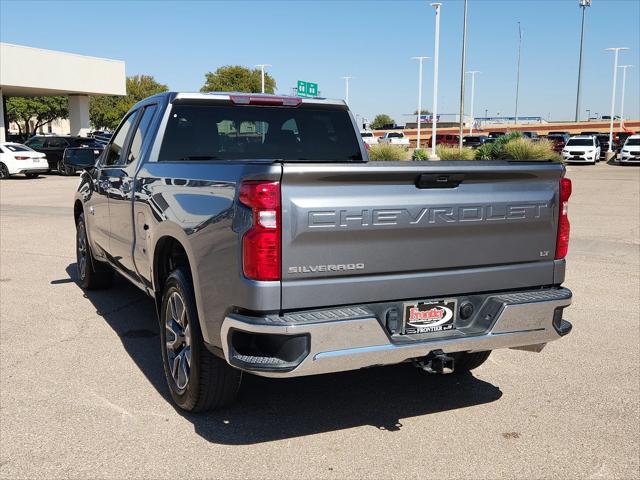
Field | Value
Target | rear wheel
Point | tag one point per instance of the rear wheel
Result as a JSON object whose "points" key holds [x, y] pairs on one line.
{"points": [[64, 170], [467, 361], [91, 273], [197, 379], [4, 171]]}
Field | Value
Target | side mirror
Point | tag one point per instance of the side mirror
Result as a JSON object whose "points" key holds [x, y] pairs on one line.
{"points": [[79, 158]]}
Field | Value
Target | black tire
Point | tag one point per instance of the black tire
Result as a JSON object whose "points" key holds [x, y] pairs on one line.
{"points": [[32, 175], [4, 171], [211, 383], [466, 361], [64, 170], [92, 274]]}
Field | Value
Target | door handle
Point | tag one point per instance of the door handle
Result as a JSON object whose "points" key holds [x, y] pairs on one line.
{"points": [[439, 180]]}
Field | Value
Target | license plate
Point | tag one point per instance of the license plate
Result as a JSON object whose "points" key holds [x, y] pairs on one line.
{"points": [[576, 158], [429, 316]]}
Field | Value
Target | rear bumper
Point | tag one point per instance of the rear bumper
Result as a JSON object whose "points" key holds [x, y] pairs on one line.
{"points": [[32, 170], [356, 338]]}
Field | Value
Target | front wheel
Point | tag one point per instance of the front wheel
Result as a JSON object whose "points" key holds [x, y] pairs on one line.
{"points": [[91, 274], [197, 379]]}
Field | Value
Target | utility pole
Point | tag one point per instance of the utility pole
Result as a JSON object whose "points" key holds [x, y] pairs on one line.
{"points": [[624, 82], [615, 50], [262, 66], [518, 74], [464, 60], [473, 91], [434, 113], [584, 4], [420, 59], [346, 88], [588, 114]]}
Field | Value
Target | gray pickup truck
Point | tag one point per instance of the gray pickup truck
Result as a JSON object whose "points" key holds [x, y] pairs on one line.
{"points": [[272, 246]]}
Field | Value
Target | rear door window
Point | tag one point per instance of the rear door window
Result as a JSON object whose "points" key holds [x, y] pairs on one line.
{"points": [[57, 143], [201, 132], [36, 142]]}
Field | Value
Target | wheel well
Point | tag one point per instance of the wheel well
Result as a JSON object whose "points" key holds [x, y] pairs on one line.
{"points": [[77, 210], [169, 255]]}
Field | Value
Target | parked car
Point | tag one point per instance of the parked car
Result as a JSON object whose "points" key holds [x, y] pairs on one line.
{"points": [[54, 146], [558, 141], [17, 158], [582, 149], [560, 132], [630, 152], [394, 138], [603, 139], [474, 141], [620, 139], [496, 134], [446, 139], [368, 137], [533, 136], [286, 255]]}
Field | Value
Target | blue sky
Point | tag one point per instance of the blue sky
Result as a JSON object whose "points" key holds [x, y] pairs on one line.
{"points": [[178, 42]]}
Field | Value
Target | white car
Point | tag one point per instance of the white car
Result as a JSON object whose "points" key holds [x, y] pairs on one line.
{"points": [[582, 149], [368, 137], [630, 152], [394, 138], [18, 158]]}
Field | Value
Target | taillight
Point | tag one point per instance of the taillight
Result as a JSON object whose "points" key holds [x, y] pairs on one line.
{"points": [[21, 158], [562, 243], [266, 100], [261, 243]]}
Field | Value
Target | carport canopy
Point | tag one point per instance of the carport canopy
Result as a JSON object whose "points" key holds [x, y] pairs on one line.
{"points": [[30, 72]]}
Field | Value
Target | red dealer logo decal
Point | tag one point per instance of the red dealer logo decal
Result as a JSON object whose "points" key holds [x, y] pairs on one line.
{"points": [[433, 316]]}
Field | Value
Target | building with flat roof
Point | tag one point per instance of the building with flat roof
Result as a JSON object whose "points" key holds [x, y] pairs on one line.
{"points": [[33, 72]]}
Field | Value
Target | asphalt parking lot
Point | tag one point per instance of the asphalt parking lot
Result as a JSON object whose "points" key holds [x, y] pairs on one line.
{"points": [[82, 392]]}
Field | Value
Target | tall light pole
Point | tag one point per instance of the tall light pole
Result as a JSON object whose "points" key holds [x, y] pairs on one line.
{"points": [[583, 4], [436, 51], [262, 66], [615, 50], [588, 114], [464, 61], [624, 81], [518, 74], [473, 91], [346, 88], [420, 59]]}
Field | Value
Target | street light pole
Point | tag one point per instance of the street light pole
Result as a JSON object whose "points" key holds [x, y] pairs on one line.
{"points": [[473, 91], [436, 51], [262, 67], [346, 88], [615, 50], [420, 59], [518, 74], [464, 60], [624, 81], [588, 114], [584, 4]]}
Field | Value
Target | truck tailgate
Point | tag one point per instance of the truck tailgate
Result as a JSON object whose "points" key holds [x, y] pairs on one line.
{"points": [[387, 231]]}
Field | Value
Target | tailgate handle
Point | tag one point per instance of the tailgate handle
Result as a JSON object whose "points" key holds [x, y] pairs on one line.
{"points": [[439, 180]]}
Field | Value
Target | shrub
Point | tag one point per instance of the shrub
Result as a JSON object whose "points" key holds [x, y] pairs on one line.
{"points": [[419, 154], [525, 149], [387, 152], [454, 153], [494, 150]]}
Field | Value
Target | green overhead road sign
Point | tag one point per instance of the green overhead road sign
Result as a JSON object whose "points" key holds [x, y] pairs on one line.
{"points": [[307, 89]]}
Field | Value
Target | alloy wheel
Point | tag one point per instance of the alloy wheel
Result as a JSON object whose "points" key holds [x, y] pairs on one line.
{"points": [[81, 253], [4, 171], [178, 340]]}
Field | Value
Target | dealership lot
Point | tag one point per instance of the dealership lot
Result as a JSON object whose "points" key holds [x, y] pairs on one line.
{"points": [[82, 392]]}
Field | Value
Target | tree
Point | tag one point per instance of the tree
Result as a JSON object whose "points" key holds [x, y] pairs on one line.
{"points": [[381, 120], [42, 110], [105, 112], [424, 111], [236, 78]]}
